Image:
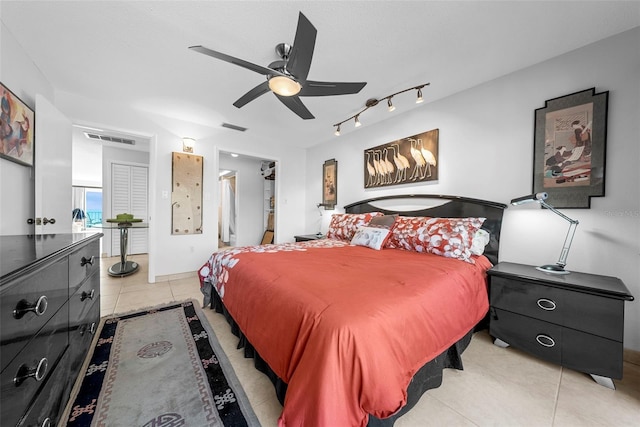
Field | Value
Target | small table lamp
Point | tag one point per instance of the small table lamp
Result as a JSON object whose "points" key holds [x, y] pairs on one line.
{"points": [[557, 268]]}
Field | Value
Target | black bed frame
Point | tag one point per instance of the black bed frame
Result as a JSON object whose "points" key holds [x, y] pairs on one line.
{"points": [[430, 375], [449, 207]]}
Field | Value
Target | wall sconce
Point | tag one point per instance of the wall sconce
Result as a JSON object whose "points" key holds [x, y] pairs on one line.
{"points": [[373, 102], [188, 144], [557, 268]]}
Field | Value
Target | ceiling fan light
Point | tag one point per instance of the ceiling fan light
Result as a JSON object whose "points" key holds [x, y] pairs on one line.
{"points": [[419, 99], [284, 86]]}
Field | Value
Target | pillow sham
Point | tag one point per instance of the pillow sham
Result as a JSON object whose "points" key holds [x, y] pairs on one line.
{"points": [[371, 237], [344, 226], [452, 237], [406, 233]]}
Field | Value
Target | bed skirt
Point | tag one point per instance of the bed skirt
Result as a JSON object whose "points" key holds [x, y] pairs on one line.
{"points": [[427, 377]]}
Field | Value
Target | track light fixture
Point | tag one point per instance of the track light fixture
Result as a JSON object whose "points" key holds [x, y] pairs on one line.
{"points": [[373, 102]]}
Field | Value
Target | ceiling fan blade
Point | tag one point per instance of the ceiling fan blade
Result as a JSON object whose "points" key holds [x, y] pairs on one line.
{"points": [[236, 61], [261, 89], [295, 104], [302, 51], [313, 88]]}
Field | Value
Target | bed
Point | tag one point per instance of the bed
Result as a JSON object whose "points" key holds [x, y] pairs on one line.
{"points": [[354, 328]]}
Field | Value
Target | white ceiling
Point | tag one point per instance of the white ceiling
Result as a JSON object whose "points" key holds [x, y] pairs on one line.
{"points": [[135, 52]]}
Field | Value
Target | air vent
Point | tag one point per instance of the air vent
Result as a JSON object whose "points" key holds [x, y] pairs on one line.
{"points": [[234, 127], [110, 138]]}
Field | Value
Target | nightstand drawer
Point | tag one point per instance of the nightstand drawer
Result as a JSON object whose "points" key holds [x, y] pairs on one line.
{"points": [[560, 306], [565, 346]]}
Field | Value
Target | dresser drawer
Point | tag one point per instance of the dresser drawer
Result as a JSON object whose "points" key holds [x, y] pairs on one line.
{"points": [[81, 335], [561, 345], [560, 306], [43, 352], [82, 264], [27, 305], [50, 402]]}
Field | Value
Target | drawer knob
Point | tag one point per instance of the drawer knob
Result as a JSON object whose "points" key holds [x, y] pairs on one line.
{"points": [[87, 295], [84, 261], [23, 307], [545, 340], [546, 304], [24, 372]]}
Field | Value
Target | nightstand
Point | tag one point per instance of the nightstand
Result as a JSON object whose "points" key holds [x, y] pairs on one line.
{"points": [[575, 320], [307, 237]]}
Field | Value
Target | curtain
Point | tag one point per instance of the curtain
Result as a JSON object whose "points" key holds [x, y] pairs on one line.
{"points": [[227, 214]]}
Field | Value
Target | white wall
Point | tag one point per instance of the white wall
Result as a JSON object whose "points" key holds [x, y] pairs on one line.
{"points": [[24, 79], [486, 152]]}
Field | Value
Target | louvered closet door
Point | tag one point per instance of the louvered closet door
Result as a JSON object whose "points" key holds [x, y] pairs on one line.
{"points": [[129, 189]]}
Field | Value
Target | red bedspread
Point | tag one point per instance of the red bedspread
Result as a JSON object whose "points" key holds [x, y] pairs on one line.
{"points": [[347, 327]]}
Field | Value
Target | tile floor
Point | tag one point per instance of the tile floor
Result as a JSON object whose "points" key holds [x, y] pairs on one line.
{"points": [[498, 387]]}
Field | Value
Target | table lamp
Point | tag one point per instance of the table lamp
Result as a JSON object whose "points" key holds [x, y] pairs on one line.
{"points": [[558, 267]]}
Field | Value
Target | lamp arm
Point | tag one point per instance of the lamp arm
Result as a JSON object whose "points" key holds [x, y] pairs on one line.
{"points": [[557, 212], [573, 224], [562, 261]]}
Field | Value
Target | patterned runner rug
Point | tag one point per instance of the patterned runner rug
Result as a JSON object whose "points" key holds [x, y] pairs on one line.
{"points": [[159, 367]]}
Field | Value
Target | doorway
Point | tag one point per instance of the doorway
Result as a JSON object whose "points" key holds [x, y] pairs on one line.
{"points": [[227, 209], [246, 201]]}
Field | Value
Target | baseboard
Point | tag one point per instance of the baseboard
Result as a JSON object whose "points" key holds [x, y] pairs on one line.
{"points": [[631, 356]]}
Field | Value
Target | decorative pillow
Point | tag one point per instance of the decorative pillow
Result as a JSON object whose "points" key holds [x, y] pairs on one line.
{"points": [[384, 221], [344, 226], [371, 237], [406, 233], [480, 240], [452, 237]]}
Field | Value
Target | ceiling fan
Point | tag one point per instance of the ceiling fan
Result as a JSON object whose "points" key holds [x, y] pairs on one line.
{"points": [[287, 77]]}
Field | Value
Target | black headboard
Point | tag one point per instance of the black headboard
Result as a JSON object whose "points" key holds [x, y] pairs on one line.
{"points": [[444, 207]]}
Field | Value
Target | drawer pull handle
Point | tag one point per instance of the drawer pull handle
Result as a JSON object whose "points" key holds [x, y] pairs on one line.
{"points": [[24, 372], [88, 295], [92, 329], [84, 261], [546, 304], [23, 307], [545, 340], [46, 422]]}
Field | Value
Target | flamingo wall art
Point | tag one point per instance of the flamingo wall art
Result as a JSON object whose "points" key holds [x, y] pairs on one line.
{"points": [[403, 161]]}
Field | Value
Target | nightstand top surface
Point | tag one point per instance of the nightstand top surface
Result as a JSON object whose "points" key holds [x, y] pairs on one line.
{"points": [[580, 282]]}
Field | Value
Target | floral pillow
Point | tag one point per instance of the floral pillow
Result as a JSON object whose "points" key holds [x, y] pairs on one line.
{"points": [[452, 237], [407, 233], [344, 226], [371, 237]]}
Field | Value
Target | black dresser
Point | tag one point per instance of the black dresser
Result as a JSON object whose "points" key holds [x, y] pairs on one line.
{"points": [[49, 310], [575, 320]]}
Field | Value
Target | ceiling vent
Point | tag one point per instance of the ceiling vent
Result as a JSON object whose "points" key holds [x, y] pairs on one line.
{"points": [[108, 138], [234, 127]]}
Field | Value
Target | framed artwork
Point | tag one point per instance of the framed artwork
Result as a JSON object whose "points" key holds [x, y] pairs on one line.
{"points": [[330, 184], [403, 161], [16, 128], [570, 148], [186, 193]]}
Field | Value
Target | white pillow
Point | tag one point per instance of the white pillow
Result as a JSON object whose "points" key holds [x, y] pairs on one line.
{"points": [[371, 237], [480, 240]]}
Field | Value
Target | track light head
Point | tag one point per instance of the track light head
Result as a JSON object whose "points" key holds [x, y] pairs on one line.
{"points": [[419, 98], [390, 105], [337, 132], [357, 121]]}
